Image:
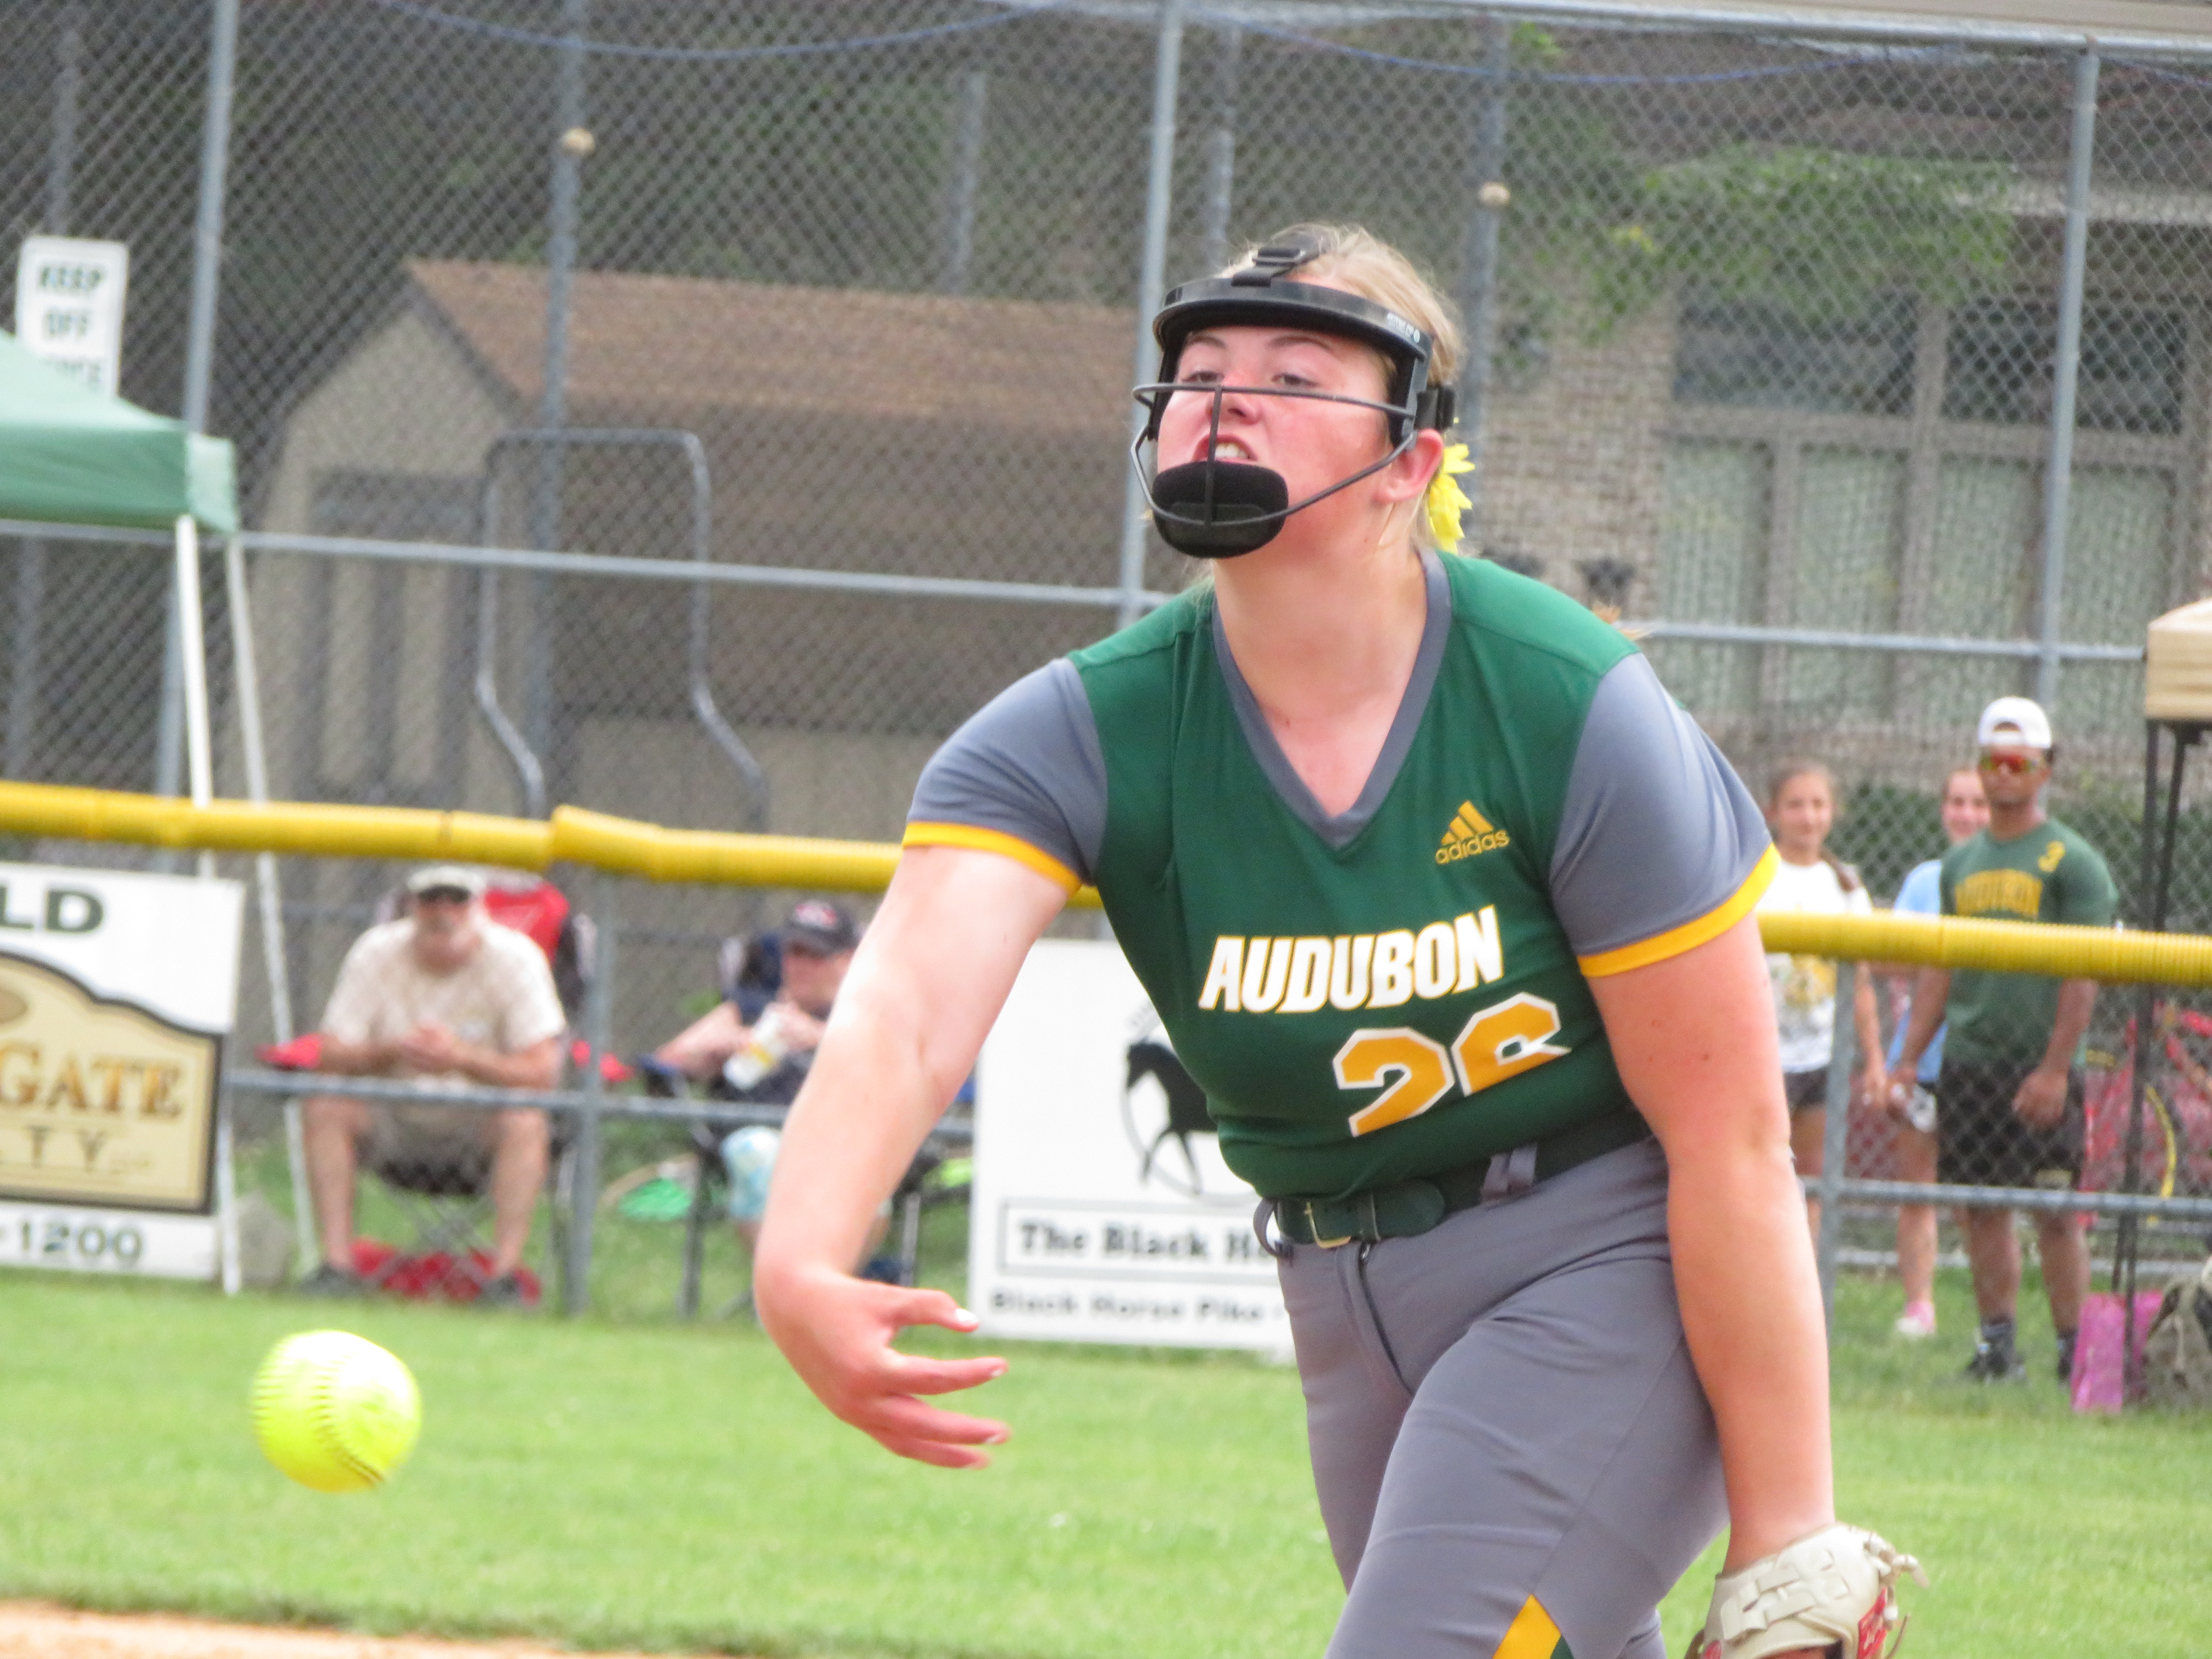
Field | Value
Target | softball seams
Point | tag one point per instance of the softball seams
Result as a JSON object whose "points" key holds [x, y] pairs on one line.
{"points": [[299, 1376], [330, 1433]]}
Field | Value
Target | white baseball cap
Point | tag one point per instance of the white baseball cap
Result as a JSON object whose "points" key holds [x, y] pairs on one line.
{"points": [[2024, 714], [457, 877]]}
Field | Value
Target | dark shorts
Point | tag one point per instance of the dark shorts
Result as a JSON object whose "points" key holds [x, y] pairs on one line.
{"points": [[1981, 1142], [1806, 1092]]}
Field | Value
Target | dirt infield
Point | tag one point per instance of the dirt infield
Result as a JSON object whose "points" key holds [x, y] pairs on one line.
{"points": [[39, 1630]]}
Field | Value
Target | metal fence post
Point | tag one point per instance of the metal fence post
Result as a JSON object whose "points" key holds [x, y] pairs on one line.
{"points": [[61, 146], [169, 725], [966, 184], [1478, 297], [2058, 470], [269, 896], [1221, 145], [23, 673], [2158, 839], [206, 227], [31, 556], [199, 362], [1835, 1142], [231, 1268], [584, 1155], [1152, 283], [572, 141]]}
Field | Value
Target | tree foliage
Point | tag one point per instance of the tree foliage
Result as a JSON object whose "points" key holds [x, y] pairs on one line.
{"points": [[1818, 234]]}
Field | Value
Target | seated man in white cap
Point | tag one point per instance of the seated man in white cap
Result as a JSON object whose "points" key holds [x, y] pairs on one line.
{"points": [[442, 995]]}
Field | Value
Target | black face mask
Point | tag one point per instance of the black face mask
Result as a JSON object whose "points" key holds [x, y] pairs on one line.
{"points": [[1217, 509]]}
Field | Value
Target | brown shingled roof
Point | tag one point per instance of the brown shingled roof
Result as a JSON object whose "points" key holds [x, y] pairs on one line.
{"points": [[684, 343]]}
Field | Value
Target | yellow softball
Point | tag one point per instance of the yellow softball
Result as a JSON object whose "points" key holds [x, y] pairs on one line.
{"points": [[334, 1411]]}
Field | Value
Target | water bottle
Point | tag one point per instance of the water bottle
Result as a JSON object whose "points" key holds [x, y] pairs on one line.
{"points": [[1920, 1110], [760, 1053]]}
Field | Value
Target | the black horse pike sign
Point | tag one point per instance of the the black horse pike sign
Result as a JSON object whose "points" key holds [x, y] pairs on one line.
{"points": [[1102, 1210]]}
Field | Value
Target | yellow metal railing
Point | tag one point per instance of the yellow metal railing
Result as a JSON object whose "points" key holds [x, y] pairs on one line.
{"points": [[627, 847], [571, 836], [2009, 947]]}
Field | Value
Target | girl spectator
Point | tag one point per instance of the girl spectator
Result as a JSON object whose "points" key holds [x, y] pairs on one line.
{"points": [[1801, 809]]}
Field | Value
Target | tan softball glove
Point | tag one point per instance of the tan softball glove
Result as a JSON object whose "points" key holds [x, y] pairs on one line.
{"points": [[1835, 1590]]}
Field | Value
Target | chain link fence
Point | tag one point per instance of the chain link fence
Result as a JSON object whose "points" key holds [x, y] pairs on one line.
{"points": [[1866, 373]]}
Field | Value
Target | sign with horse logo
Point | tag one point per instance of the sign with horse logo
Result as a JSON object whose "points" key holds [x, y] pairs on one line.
{"points": [[1103, 1211]]}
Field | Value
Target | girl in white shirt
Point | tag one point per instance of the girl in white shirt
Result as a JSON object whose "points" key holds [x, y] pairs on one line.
{"points": [[1801, 809]]}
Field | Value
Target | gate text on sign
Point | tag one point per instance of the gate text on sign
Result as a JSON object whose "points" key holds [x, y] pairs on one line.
{"points": [[101, 1101]]}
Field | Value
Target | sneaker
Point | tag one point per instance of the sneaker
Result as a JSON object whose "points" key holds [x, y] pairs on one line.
{"points": [[1995, 1362], [332, 1283], [1916, 1322], [2066, 1357], [504, 1292]]}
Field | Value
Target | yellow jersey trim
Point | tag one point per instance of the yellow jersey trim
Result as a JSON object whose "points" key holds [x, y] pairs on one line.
{"points": [[992, 841], [1532, 1634], [1690, 934]]}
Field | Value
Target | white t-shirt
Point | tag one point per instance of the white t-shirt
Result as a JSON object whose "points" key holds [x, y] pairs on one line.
{"points": [[502, 998], [1805, 986]]}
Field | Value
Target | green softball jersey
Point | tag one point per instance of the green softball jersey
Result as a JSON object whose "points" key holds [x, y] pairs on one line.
{"points": [[1401, 988], [2048, 874]]}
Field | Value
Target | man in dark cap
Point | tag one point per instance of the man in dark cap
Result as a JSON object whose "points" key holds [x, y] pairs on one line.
{"points": [[762, 1059], [794, 976]]}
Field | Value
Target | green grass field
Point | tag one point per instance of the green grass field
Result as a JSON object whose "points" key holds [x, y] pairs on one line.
{"points": [[652, 1484]]}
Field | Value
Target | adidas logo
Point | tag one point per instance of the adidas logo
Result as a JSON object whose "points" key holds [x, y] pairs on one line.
{"points": [[1469, 834]]}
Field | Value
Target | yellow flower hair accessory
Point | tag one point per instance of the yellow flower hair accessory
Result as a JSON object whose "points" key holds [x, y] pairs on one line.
{"points": [[1446, 500]]}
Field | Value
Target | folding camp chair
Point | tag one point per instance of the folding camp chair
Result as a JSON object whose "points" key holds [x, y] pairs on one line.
{"points": [[920, 1189], [447, 1203]]}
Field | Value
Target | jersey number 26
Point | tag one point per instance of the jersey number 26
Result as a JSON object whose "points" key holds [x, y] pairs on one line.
{"points": [[1501, 1040]]}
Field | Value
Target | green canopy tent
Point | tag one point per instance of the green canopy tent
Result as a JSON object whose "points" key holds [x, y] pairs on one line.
{"points": [[72, 455]]}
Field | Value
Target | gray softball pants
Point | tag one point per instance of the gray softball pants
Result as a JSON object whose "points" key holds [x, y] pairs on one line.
{"points": [[1508, 1435]]}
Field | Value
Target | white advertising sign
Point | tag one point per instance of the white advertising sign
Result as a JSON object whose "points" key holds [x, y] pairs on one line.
{"points": [[68, 305], [1102, 1210], [116, 992], [108, 1241]]}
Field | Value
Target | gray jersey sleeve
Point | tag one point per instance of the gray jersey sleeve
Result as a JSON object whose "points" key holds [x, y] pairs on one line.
{"points": [[1659, 841], [1028, 766]]}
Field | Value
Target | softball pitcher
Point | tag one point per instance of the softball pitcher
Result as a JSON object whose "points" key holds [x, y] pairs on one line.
{"points": [[1448, 907]]}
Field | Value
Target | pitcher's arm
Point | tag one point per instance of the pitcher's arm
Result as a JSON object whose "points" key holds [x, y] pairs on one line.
{"points": [[928, 980]]}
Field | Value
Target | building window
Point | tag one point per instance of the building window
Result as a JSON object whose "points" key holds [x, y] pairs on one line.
{"points": [[1998, 367], [1885, 475], [1743, 354]]}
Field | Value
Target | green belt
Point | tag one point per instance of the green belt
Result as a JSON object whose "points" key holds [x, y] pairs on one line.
{"points": [[1406, 1207]]}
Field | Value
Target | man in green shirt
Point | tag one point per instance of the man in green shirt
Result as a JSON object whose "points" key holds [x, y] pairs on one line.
{"points": [[2009, 1095]]}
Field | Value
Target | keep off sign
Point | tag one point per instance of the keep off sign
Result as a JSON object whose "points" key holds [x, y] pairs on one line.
{"points": [[69, 306], [116, 992], [1102, 1210]]}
